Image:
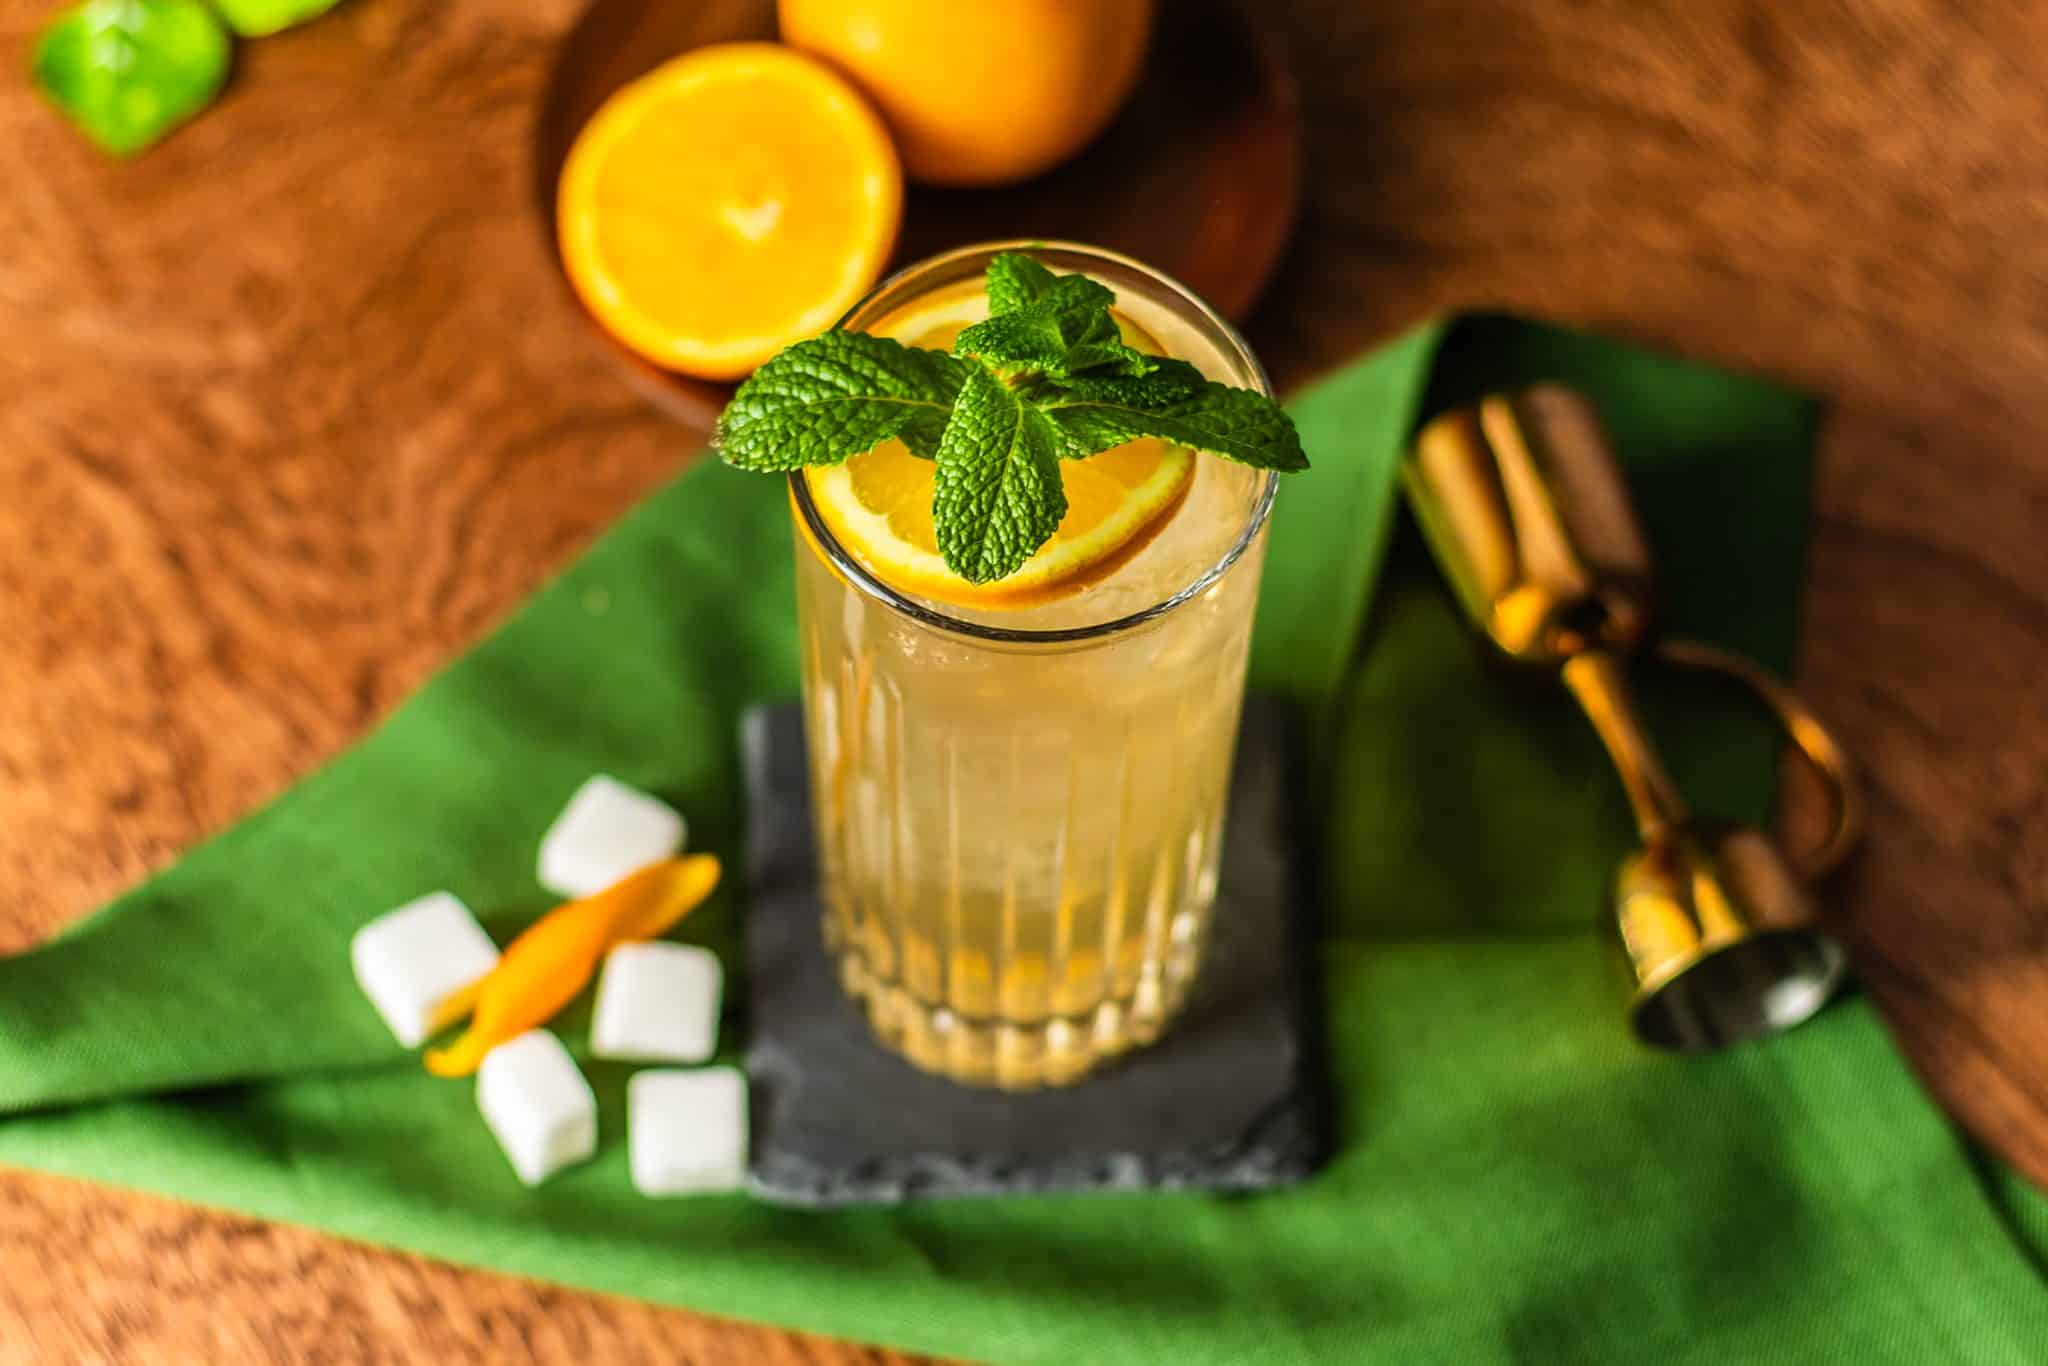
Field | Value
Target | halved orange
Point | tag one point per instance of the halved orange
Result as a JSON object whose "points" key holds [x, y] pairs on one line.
{"points": [[734, 200]]}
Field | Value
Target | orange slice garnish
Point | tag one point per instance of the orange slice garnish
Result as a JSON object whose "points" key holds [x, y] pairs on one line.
{"points": [[879, 506]]}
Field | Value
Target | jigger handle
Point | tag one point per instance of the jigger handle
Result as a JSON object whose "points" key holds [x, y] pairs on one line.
{"points": [[1598, 680], [1804, 729]]}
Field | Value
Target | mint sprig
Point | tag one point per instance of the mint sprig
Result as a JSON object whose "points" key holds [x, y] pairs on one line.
{"points": [[1048, 377], [998, 495], [836, 395], [1065, 332]]}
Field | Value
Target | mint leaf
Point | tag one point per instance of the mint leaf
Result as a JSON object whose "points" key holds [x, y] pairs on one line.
{"points": [[1106, 358], [1065, 330], [1015, 280], [1077, 295], [1169, 382], [1094, 414], [1072, 309], [998, 495], [836, 395], [1024, 340]]}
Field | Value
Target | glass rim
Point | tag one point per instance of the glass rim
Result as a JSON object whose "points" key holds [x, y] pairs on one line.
{"points": [[872, 586]]}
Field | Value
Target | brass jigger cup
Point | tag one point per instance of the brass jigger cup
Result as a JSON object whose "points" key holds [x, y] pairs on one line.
{"points": [[1525, 508]]}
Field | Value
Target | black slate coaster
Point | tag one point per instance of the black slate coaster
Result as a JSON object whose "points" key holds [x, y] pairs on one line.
{"points": [[1230, 1099]]}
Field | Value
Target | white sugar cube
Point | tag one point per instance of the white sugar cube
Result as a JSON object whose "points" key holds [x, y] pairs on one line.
{"points": [[411, 960], [687, 1130], [605, 832], [657, 1002], [542, 1111]]}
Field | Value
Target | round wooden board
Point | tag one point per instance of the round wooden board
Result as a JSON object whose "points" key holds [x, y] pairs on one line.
{"points": [[1199, 175]]}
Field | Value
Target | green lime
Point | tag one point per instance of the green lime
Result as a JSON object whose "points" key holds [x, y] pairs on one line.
{"points": [[129, 71]]}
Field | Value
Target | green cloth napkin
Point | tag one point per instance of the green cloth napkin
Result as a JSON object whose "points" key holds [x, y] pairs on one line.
{"points": [[1515, 1180]]}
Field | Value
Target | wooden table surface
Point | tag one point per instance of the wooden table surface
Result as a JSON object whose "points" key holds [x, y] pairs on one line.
{"points": [[290, 409]]}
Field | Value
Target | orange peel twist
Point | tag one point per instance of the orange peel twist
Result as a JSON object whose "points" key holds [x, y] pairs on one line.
{"points": [[547, 965]]}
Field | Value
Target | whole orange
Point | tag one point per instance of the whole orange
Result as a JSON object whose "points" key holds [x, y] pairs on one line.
{"points": [[981, 92]]}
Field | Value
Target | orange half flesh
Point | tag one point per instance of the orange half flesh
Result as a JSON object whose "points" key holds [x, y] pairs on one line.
{"points": [[728, 203]]}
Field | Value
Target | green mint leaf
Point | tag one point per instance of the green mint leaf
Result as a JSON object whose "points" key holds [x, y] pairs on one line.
{"points": [[1036, 335], [836, 395], [129, 71], [1024, 340], [1098, 348], [1169, 381], [998, 495], [1105, 358], [1015, 280], [1064, 330], [1094, 414], [1076, 294]]}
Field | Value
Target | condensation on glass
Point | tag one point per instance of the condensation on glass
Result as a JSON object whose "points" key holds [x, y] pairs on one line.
{"points": [[1019, 813]]}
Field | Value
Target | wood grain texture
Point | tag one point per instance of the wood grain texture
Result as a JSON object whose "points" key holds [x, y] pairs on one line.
{"points": [[290, 409]]}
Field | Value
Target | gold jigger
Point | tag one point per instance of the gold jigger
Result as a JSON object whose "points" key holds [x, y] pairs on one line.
{"points": [[1521, 499]]}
